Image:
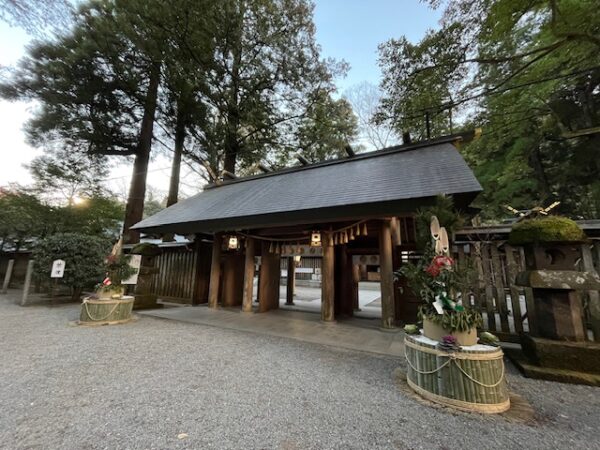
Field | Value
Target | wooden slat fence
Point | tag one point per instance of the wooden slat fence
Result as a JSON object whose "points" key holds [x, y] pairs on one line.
{"points": [[177, 274], [507, 309]]}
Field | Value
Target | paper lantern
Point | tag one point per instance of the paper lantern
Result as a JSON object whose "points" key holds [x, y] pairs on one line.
{"points": [[233, 243], [315, 239]]}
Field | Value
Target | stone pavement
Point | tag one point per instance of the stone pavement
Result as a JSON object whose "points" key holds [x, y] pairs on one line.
{"points": [[353, 334]]}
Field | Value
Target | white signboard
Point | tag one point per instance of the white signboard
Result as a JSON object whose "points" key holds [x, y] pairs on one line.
{"points": [[135, 261], [58, 269]]}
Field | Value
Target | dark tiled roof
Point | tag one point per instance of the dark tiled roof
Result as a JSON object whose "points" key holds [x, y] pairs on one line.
{"points": [[384, 182]]}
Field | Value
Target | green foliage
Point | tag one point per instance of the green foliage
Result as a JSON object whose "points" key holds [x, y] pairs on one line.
{"points": [[452, 321], [118, 269], [25, 218], [83, 255], [546, 229], [438, 279], [327, 128], [528, 73], [447, 215]]}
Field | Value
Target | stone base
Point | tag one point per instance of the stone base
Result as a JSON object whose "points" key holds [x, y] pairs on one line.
{"points": [[146, 301], [550, 374], [571, 356]]}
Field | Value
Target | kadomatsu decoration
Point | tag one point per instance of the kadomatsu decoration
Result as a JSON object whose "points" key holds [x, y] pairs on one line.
{"points": [[437, 280]]}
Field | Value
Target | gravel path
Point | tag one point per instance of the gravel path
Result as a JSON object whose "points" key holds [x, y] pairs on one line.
{"points": [[144, 384]]}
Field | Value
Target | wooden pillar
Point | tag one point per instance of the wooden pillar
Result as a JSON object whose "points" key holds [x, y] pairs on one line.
{"points": [[355, 286], [327, 281], [343, 291], [202, 275], [215, 271], [387, 276], [248, 276], [270, 273], [291, 280], [233, 279]]}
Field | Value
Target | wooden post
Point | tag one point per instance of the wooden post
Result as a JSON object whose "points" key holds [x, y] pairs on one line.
{"points": [[202, 275], [270, 273], [327, 281], [7, 276], [593, 296], [355, 286], [499, 288], [27, 282], [232, 292], [215, 271], [387, 276], [248, 276], [396, 233], [514, 291], [291, 280]]}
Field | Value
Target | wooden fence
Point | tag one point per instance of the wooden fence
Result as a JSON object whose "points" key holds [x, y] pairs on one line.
{"points": [[177, 274], [507, 309]]}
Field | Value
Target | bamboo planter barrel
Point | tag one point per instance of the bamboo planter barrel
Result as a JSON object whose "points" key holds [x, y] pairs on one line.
{"points": [[471, 379], [106, 312]]}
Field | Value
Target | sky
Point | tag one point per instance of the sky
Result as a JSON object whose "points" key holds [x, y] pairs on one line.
{"points": [[347, 30]]}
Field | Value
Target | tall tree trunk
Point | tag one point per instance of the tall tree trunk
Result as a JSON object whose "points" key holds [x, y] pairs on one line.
{"points": [[176, 166], [535, 160], [134, 210]]}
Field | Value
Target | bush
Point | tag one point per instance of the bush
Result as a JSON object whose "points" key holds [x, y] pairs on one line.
{"points": [[546, 229], [83, 255]]}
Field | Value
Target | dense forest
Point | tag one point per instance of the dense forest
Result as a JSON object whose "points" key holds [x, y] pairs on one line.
{"points": [[240, 86], [528, 73]]}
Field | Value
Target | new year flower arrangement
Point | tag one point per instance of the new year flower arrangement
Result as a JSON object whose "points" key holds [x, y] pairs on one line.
{"points": [[437, 280], [117, 269]]}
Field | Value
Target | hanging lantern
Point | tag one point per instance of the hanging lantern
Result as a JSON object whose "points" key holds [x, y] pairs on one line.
{"points": [[233, 243], [315, 239], [365, 231], [435, 228]]}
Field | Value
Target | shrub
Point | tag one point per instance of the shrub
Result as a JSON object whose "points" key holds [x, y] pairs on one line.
{"points": [[546, 229], [83, 255]]}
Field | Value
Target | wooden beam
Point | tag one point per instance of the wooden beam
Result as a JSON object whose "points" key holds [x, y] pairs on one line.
{"points": [[387, 275], [291, 281], [248, 275], [215, 271], [327, 280]]}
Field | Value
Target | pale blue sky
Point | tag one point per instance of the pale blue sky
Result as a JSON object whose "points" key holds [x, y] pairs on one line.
{"points": [[346, 29]]}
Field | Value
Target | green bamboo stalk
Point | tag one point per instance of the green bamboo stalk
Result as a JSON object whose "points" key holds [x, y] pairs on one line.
{"points": [[481, 377], [477, 397], [462, 392]]}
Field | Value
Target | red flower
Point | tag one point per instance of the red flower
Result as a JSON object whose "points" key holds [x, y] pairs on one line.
{"points": [[439, 263]]}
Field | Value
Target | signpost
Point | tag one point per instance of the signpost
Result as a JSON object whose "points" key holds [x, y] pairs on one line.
{"points": [[58, 269]]}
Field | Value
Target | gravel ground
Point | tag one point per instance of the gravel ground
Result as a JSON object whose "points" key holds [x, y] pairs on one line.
{"points": [[144, 384]]}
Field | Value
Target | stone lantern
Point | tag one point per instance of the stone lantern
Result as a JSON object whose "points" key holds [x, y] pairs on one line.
{"points": [[552, 248]]}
